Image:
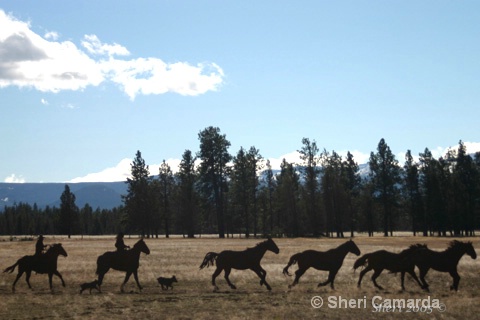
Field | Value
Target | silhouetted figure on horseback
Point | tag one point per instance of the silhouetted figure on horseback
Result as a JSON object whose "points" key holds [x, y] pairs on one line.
{"points": [[119, 244], [122, 260], [39, 246], [44, 263]]}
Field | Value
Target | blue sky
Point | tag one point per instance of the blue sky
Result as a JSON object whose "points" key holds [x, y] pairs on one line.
{"points": [[85, 85]]}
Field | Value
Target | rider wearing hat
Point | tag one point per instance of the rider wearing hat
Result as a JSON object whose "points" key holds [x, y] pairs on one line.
{"points": [[39, 246], [119, 244]]}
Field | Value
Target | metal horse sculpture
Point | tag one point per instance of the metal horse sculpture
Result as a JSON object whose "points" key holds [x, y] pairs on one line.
{"points": [[44, 264], [241, 260], [394, 262], [127, 261], [330, 260]]}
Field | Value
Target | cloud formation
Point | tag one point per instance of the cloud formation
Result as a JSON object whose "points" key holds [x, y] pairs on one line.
{"points": [[48, 65], [122, 170], [14, 179]]}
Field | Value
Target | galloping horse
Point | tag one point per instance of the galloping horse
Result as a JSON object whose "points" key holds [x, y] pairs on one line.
{"points": [[394, 262], [330, 260], [127, 261], [444, 261], [45, 263], [241, 260]]}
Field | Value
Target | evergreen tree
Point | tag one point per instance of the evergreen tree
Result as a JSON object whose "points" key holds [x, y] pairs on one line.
{"points": [[213, 171], [412, 194], [68, 212], [139, 204], [310, 157], [241, 188], [166, 186], [385, 175], [287, 198], [353, 186], [334, 193], [188, 197]]}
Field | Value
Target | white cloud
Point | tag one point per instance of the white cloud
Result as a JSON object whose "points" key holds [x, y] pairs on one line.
{"points": [[44, 102], [122, 171], [51, 35], [14, 179], [94, 46], [29, 60]]}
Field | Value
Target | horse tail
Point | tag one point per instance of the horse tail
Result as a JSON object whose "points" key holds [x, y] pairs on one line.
{"points": [[209, 260], [11, 268], [293, 260], [361, 261]]}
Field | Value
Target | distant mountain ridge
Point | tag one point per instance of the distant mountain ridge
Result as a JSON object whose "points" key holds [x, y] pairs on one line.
{"points": [[103, 195]]}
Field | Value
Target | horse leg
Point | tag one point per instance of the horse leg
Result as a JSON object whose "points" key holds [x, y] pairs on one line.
{"points": [[298, 274], [19, 274], [456, 280], [127, 276], [50, 276], [403, 280], [423, 273], [227, 273], [261, 273], [214, 275], [60, 276], [135, 276], [331, 279], [375, 275], [27, 278], [414, 276], [362, 273]]}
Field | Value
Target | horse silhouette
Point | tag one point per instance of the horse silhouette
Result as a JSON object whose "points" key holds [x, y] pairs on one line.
{"points": [[394, 262], [330, 260], [241, 260], [44, 264], [127, 261], [443, 261]]}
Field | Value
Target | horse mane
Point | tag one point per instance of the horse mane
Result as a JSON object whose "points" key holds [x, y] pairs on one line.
{"points": [[259, 244], [414, 247], [455, 244]]}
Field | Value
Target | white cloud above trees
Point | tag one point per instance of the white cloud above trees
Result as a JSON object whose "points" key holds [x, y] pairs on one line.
{"points": [[48, 65]]}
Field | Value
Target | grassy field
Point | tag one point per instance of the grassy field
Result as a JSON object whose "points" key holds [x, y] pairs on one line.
{"points": [[193, 296]]}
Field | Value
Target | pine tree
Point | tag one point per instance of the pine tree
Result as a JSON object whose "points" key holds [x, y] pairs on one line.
{"points": [[385, 175], [310, 157], [139, 204], [188, 198], [68, 212], [213, 171]]}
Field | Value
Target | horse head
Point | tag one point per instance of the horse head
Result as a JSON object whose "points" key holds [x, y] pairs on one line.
{"points": [[470, 250], [352, 247], [57, 249], [272, 246], [142, 246]]}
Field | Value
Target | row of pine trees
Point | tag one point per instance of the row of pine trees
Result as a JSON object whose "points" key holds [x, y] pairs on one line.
{"points": [[214, 192]]}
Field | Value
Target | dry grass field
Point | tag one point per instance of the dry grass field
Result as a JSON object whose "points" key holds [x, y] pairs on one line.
{"points": [[193, 296]]}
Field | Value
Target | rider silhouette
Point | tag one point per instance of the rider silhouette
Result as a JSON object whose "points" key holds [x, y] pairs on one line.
{"points": [[39, 246], [119, 244]]}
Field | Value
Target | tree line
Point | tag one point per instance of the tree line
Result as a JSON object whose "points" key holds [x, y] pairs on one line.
{"points": [[214, 192]]}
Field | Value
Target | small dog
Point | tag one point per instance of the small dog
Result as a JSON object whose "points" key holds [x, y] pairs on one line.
{"points": [[166, 282], [89, 285]]}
